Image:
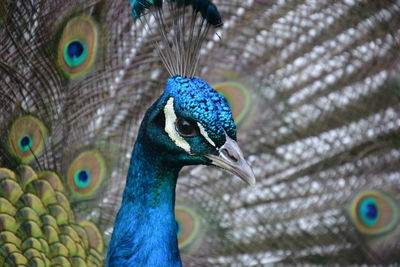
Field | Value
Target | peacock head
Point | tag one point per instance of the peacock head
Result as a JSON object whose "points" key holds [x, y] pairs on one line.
{"points": [[193, 124]]}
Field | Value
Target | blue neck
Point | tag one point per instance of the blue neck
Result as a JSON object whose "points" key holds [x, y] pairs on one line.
{"points": [[145, 228]]}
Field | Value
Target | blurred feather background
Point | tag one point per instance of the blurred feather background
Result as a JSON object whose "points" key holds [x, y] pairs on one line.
{"points": [[315, 91]]}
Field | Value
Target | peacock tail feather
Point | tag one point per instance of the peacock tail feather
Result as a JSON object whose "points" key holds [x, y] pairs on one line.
{"points": [[314, 88], [38, 226]]}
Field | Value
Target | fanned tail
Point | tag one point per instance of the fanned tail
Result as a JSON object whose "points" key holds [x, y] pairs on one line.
{"points": [[66, 99], [314, 88]]}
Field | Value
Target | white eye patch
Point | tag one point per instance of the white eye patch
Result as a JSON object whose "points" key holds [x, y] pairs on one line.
{"points": [[170, 119], [205, 134]]}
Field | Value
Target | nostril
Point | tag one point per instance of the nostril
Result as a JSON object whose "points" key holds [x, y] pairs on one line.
{"points": [[229, 155]]}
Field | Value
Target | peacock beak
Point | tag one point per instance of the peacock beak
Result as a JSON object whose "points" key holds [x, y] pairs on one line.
{"points": [[231, 158]]}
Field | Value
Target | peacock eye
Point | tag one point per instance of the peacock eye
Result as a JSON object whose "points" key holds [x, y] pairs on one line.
{"points": [[186, 128], [75, 53]]}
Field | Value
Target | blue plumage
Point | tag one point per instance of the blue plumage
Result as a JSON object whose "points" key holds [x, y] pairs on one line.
{"points": [[145, 229], [138, 6], [208, 11]]}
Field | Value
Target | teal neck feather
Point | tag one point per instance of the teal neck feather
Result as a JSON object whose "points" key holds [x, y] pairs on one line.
{"points": [[145, 228]]}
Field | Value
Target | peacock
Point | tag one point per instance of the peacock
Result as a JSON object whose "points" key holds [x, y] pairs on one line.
{"points": [[310, 91]]}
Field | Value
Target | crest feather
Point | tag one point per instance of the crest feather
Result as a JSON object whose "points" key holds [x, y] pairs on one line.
{"points": [[183, 26]]}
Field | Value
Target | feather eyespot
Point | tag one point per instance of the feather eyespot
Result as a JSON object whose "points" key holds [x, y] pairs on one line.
{"points": [[188, 224], [75, 53], [238, 98], [26, 138], [368, 211], [25, 143], [86, 173], [77, 47], [82, 178], [374, 212], [186, 128]]}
